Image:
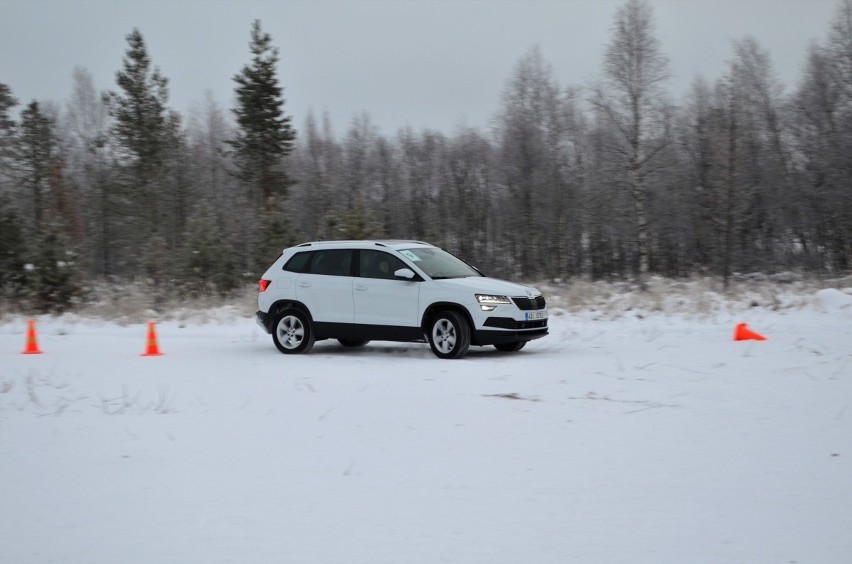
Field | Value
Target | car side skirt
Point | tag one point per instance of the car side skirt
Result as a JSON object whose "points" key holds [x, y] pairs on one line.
{"points": [[357, 332]]}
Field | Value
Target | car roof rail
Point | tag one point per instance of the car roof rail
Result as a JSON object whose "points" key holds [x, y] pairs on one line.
{"points": [[378, 243]]}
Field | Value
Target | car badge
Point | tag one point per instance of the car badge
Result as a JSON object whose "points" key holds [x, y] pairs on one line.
{"points": [[529, 294]]}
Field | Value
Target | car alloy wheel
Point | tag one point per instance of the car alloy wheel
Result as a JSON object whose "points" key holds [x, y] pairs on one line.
{"points": [[449, 335], [293, 333]]}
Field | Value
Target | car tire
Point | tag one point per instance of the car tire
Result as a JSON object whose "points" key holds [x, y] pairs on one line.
{"points": [[292, 332], [449, 334], [353, 342], [510, 347]]}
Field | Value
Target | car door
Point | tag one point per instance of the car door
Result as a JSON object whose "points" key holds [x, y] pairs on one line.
{"points": [[325, 286], [380, 298]]}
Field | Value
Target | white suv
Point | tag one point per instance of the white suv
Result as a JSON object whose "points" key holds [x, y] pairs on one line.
{"points": [[357, 291]]}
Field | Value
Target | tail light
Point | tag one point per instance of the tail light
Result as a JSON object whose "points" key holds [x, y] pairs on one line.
{"points": [[264, 284]]}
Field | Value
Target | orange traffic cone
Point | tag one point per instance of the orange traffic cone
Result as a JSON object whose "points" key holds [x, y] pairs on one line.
{"points": [[32, 344], [152, 349], [743, 333]]}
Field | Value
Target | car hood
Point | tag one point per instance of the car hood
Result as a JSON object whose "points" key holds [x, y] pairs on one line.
{"points": [[485, 285]]}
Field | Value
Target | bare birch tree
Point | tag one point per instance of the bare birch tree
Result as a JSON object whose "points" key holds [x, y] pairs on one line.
{"points": [[632, 97], [316, 163], [532, 138], [823, 132], [89, 154]]}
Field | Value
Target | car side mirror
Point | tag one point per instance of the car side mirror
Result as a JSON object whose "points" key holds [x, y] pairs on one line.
{"points": [[405, 273]]}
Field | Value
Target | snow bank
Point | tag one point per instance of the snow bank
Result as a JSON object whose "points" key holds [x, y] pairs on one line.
{"points": [[835, 300]]}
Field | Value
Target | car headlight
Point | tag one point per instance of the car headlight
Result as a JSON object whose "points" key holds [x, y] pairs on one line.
{"points": [[489, 302]]}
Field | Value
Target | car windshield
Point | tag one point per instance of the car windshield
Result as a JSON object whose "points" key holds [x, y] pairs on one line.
{"points": [[439, 264]]}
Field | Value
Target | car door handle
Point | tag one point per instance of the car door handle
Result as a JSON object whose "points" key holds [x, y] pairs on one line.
{"points": [[360, 287], [304, 284]]}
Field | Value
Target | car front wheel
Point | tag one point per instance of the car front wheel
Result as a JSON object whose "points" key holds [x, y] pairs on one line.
{"points": [[292, 332], [449, 335]]}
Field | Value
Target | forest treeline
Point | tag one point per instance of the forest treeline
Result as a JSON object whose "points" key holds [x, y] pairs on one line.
{"points": [[605, 180]]}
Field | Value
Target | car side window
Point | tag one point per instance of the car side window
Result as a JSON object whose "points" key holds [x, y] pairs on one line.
{"points": [[297, 262], [337, 262], [377, 264]]}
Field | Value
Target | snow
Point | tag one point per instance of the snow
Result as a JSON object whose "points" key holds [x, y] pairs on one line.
{"points": [[646, 437], [832, 299]]}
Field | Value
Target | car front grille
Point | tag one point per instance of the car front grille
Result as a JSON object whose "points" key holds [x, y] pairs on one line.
{"points": [[529, 303]]}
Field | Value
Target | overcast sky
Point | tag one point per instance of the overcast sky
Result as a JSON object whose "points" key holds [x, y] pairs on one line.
{"points": [[433, 64]]}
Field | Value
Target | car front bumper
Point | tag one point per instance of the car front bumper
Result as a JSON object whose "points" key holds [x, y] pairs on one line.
{"points": [[496, 330]]}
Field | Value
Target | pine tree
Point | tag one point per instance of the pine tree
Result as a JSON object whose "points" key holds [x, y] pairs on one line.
{"points": [[277, 234], [265, 135], [53, 277], [36, 154], [142, 134], [7, 132], [360, 223], [209, 261], [12, 251], [140, 113]]}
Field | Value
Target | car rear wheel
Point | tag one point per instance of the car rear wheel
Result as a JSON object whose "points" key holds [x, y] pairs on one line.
{"points": [[449, 335], [292, 332], [510, 347]]}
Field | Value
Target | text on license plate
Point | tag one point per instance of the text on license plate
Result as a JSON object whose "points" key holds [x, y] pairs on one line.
{"points": [[533, 315]]}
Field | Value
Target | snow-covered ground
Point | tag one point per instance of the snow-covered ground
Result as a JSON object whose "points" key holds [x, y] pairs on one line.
{"points": [[646, 436]]}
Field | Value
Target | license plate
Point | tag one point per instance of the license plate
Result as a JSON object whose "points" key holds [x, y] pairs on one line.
{"points": [[534, 315]]}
